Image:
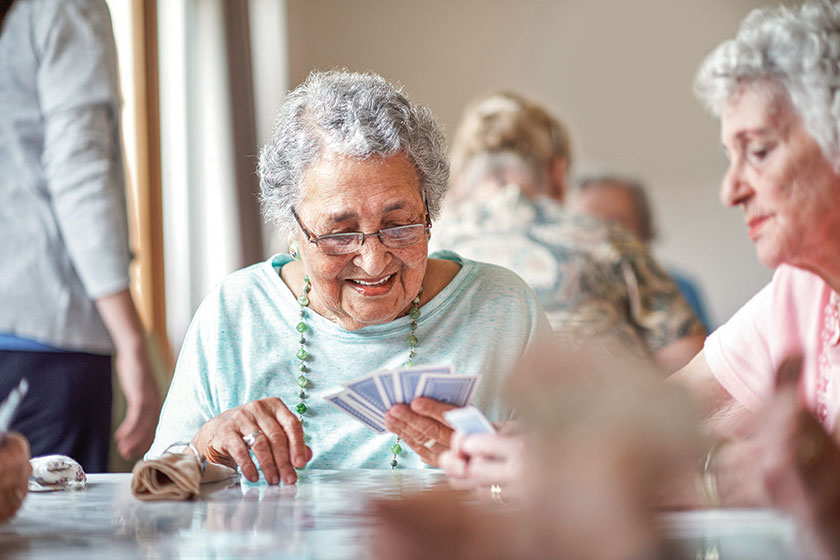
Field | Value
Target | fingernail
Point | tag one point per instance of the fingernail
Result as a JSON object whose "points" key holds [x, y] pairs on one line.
{"points": [[300, 460]]}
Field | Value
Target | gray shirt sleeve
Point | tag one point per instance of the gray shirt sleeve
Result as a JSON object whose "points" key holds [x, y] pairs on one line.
{"points": [[78, 91]]}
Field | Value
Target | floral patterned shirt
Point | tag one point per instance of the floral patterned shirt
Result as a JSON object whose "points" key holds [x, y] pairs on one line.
{"points": [[592, 278]]}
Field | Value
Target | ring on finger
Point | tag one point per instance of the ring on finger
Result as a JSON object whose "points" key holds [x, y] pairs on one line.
{"points": [[496, 494], [429, 444], [251, 438]]}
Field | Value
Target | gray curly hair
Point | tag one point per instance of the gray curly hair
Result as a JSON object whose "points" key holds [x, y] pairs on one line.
{"points": [[350, 114], [794, 49]]}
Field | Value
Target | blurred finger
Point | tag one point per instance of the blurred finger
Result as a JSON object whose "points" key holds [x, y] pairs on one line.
{"points": [[418, 427], [431, 408], [493, 445], [488, 471]]}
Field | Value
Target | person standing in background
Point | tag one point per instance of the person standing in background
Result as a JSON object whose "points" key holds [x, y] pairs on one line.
{"points": [[65, 306], [623, 201]]}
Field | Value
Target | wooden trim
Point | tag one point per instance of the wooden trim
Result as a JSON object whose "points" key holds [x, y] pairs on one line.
{"points": [[151, 289]]}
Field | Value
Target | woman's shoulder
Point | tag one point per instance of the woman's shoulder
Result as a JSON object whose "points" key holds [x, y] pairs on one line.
{"points": [[483, 278], [243, 285]]}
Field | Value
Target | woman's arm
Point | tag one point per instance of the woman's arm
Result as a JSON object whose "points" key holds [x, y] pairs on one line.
{"points": [[721, 414], [134, 371]]}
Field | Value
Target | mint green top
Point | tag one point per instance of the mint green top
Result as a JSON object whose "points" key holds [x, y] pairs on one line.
{"points": [[242, 342]]}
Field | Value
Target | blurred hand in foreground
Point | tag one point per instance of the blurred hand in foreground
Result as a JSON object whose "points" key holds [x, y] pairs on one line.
{"points": [[14, 474]]}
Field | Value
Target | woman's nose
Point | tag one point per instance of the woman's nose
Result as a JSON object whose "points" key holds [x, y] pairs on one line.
{"points": [[734, 188], [372, 255]]}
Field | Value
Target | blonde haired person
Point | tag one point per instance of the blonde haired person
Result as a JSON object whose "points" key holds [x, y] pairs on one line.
{"points": [[510, 167]]}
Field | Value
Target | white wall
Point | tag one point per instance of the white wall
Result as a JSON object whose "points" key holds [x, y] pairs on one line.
{"points": [[618, 72]]}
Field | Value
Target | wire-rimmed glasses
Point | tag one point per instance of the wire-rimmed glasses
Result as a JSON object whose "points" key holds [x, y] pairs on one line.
{"points": [[350, 242]]}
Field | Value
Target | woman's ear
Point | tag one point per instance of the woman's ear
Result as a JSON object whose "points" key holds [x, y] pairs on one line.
{"points": [[294, 246]]}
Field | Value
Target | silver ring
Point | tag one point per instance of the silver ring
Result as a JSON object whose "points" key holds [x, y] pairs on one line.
{"points": [[429, 444], [496, 494], [251, 438]]}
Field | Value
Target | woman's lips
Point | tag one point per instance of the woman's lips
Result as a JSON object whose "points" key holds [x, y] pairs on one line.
{"points": [[755, 225], [372, 286]]}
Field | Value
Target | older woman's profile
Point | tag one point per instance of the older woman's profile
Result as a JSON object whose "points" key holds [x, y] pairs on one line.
{"points": [[353, 175]]}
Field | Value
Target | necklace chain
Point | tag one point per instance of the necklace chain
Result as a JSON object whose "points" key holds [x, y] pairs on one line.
{"points": [[303, 356]]}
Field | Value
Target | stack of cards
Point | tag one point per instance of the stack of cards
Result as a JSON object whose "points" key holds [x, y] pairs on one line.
{"points": [[368, 398]]}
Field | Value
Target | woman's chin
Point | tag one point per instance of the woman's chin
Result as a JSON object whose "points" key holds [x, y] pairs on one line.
{"points": [[769, 256]]}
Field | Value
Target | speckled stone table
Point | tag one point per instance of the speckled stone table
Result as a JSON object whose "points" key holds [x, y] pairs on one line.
{"points": [[323, 516]]}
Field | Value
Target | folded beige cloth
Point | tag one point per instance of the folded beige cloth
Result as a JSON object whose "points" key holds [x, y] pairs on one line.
{"points": [[174, 476]]}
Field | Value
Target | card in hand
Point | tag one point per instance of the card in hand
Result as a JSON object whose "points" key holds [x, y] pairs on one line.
{"points": [[388, 386], [9, 406], [469, 420], [450, 389], [409, 380], [367, 389], [350, 404]]}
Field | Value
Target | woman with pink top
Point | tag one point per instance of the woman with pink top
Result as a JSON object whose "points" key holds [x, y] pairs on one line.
{"points": [[776, 88], [768, 381]]}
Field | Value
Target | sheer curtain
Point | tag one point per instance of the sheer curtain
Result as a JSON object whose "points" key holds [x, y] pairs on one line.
{"points": [[223, 70]]}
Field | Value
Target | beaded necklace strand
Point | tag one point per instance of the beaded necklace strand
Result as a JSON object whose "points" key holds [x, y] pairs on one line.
{"points": [[302, 354]]}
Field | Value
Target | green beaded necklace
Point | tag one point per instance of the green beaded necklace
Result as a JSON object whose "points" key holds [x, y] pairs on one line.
{"points": [[302, 355]]}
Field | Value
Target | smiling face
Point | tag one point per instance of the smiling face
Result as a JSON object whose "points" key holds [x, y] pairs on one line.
{"points": [[779, 176], [376, 283]]}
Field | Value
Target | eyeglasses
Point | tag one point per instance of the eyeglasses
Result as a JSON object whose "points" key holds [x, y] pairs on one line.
{"points": [[344, 243]]}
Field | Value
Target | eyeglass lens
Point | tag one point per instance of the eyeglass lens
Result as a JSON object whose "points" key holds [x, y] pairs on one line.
{"points": [[395, 237]]}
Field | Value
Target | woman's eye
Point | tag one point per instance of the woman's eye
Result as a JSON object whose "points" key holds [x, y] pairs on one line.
{"points": [[759, 154]]}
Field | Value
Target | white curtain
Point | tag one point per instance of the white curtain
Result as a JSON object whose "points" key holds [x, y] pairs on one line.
{"points": [[223, 70]]}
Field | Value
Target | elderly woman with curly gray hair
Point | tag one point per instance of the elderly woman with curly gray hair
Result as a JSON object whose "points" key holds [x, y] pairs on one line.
{"points": [[354, 175], [769, 379]]}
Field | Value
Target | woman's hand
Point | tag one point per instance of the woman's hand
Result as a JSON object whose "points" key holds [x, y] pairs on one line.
{"points": [[480, 461], [14, 473], [278, 443], [786, 460], [422, 427]]}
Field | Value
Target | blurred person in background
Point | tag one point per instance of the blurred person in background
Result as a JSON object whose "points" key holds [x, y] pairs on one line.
{"points": [[510, 163], [623, 201], [65, 306]]}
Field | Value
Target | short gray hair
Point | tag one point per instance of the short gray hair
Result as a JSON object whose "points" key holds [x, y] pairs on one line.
{"points": [[349, 114], [794, 49]]}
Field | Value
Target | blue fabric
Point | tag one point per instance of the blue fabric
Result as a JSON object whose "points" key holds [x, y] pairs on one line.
{"points": [[67, 410], [12, 342], [242, 342], [692, 295]]}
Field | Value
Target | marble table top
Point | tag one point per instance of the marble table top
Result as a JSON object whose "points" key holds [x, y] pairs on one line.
{"points": [[323, 516]]}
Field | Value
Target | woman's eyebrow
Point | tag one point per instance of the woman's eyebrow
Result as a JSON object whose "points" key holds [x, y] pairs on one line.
{"points": [[352, 215]]}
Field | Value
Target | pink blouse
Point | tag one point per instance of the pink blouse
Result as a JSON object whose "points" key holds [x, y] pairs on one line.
{"points": [[796, 313]]}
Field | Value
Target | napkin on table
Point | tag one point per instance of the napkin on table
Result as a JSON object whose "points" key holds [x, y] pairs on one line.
{"points": [[56, 472], [174, 476]]}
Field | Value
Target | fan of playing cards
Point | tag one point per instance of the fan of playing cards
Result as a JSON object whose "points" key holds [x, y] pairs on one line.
{"points": [[368, 398]]}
